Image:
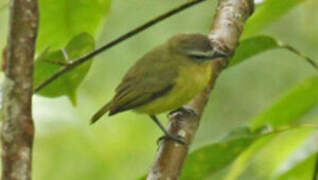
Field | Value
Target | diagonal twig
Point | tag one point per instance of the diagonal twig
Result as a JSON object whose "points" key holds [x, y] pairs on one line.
{"points": [[300, 54], [114, 42]]}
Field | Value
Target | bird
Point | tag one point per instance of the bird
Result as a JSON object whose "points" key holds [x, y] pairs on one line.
{"points": [[165, 79]]}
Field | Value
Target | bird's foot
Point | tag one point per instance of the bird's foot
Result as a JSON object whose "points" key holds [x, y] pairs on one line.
{"points": [[169, 136], [182, 110]]}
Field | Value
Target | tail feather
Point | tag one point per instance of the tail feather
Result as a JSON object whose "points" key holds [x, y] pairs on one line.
{"points": [[100, 113]]}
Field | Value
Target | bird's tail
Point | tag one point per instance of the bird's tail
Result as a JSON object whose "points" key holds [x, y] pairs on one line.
{"points": [[100, 112]]}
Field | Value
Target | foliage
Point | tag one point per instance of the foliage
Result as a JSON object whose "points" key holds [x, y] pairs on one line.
{"points": [[61, 20], [51, 61], [67, 25], [266, 13], [291, 107], [252, 46], [207, 161], [277, 144]]}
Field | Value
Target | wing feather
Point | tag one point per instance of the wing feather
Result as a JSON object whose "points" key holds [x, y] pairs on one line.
{"points": [[151, 77], [133, 100]]}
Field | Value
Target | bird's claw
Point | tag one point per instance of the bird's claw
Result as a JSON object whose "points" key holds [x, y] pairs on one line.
{"points": [[172, 137], [183, 110]]}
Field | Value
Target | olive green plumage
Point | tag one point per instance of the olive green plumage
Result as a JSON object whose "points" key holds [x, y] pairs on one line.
{"points": [[165, 78]]}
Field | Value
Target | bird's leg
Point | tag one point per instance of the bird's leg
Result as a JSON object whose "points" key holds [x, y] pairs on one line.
{"points": [[183, 110], [167, 134]]}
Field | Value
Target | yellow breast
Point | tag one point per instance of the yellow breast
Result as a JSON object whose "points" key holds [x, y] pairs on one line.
{"points": [[192, 78]]}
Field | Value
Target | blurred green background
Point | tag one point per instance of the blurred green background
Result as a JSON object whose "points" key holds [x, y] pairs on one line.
{"points": [[124, 146]]}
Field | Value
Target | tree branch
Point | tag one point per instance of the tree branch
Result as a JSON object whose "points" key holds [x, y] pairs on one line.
{"points": [[17, 128], [114, 42], [225, 32]]}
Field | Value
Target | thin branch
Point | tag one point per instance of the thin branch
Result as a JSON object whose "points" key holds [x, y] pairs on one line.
{"points": [[17, 128], [114, 42], [300, 54], [225, 32]]}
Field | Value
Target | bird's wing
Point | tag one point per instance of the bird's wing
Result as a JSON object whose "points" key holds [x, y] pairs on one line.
{"points": [[144, 83], [134, 98]]}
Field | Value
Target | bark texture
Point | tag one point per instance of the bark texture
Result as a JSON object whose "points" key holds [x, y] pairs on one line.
{"points": [[224, 35], [17, 128]]}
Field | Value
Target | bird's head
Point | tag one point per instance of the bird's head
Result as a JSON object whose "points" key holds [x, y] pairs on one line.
{"points": [[196, 46]]}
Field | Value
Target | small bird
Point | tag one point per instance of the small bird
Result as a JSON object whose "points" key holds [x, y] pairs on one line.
{"points": [[165, 78]]}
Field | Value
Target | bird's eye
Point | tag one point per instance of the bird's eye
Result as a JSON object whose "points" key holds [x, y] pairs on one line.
{"points": [[201, 55], [205, 55], [197, 56]]}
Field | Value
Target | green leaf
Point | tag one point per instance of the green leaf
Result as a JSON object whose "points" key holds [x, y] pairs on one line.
{"points": [[266, 13], [289, 108], [143, 177], [253, 46], [239, 132], [303, 170], [301, 155], [209, 159], [50, 61], [198, 164], [262, 163], [243, 160], [237, 148], [61, 20]]}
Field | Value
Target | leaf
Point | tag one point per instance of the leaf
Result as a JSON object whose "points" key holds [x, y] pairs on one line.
{"points": [[253, 46], [61, 20], [198, 164], [210, 159], [289, 108], [243, 160], [262, 163], [238, 147], [49, 62], [303, 170], [143, 177], [308, 149], [266, 13], [238, 132]]}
